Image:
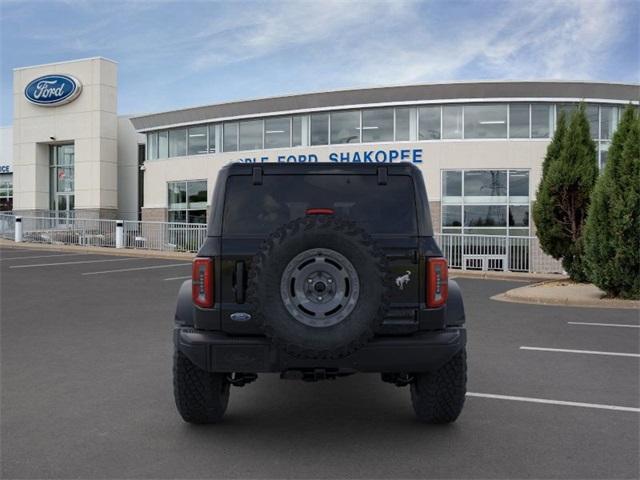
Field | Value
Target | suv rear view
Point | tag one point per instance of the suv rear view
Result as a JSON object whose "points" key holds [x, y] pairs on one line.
{"points": [[315, 272]]}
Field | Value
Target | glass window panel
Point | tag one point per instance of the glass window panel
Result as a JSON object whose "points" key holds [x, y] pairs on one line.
{"points": [[178, 216], [177, 195], [451, 216], [541, 120], [64, 177], [485, 216], [230, 137], [377, 125], [489, 184], [604, 153], [452, 121], [197, 194], [592, 116], [519, 185], [197, 216], [277, 132], [152, 146], [485, 121], [452, 184], [212, 138], [251, 135], [568, 109], [163, 144], [519, 216], [519, 120], [482, 231], [403, 124], [197, 140], [345, 127], [296, 131], [429, 123], [178, 142], [320, 129], [608, 122]]}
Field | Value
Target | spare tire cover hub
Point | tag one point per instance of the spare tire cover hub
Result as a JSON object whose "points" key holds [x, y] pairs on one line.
{"points": [[320, 287]]}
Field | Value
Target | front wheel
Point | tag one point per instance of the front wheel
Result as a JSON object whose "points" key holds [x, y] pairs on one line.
{"points": [[201, 396], [438, 397]]}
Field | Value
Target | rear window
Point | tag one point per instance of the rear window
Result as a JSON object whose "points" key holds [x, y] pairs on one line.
{"points": [[260, 209]]}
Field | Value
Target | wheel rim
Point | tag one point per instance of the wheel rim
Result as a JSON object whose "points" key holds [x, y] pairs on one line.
{"points": [[320, 287]]}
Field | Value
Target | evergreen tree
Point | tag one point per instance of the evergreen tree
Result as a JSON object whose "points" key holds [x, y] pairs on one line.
{"points": [[563, 197], [612, 233]]}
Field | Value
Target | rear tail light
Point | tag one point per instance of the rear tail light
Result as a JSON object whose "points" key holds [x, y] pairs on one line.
{"points": [[202, 282], [437, 282], [320, 211]]}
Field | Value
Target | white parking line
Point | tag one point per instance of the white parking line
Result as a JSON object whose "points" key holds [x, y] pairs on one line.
{"points": [[589, 352], [75, 263], [177, 278], [42, 256], [138, 268], [604, 324], [554, 402]]}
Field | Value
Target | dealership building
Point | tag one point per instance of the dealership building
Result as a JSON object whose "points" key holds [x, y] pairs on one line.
{"points": [[479, 145]]}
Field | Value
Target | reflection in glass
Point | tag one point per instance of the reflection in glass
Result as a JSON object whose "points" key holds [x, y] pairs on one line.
{"points": [[197, 139], [519, 120], [230, 137], [296, 131], [429, 123], [251, 135], [212, 138], [177, 195], [163, 144], [485, 216], [541, 120], [519, 216], [403, 124], [452, 121], [485, 121], [345, 127], [519, 184], [452, 184], [377, 125], [320, 129], [197, 194], [277, 132], [178, 142], [152, 146], [451, 216], [608, 122], [485, 183]]}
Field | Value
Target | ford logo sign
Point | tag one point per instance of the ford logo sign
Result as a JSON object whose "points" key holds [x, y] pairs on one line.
{"points": [[53, 90]]}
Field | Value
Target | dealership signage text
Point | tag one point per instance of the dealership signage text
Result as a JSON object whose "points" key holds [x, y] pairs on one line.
{"points": [[391, 155]]}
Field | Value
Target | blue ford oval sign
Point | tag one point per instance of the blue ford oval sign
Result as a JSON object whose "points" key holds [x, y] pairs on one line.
{"points": [[53, 90]]}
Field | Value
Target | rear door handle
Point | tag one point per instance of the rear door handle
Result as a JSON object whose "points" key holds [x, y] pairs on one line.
{"points": [[239, 286]]}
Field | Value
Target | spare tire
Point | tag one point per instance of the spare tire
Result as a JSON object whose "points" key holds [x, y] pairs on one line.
{"points": [[319, 287]]}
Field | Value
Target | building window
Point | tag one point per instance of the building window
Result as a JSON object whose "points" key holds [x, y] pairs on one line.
{"points": [[178, 142], [403, 124], [486, 202], [377, 125], [345, 127], [61, 179], [320, 129], [485, 121], [592, 117], [452, 122], [187, 201], [251, 135], [6, 192], [212, 138], [230, 137], [163, 144], [197, 140], [429, 123], [608, 122], [296, 131], [541, 120], [519, 120], [277, 132], [152, 146]]}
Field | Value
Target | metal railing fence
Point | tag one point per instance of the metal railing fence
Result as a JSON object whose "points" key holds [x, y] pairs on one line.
{"points": [[164, 236], [496, 253], [69, 231], [7, 226]]}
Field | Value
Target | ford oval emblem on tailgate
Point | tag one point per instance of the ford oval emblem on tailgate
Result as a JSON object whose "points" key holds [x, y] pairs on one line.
{"points": [[240, 317]]}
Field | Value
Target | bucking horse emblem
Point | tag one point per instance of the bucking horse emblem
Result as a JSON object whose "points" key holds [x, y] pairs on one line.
{"points": [[402, 280]]}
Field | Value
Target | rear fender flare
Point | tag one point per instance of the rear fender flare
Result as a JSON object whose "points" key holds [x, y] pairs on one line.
{"points": [[455, 305], [184, 307]]}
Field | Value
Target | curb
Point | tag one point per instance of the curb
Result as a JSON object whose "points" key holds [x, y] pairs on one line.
{"points": [[511, 276], [512, 296], [125, 252]]}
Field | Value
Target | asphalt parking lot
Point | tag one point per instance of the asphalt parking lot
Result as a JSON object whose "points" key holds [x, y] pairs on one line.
{"points": [[86, 390]]}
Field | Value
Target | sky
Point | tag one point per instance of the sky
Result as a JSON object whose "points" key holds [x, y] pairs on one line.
{"points": [[176, 54]]}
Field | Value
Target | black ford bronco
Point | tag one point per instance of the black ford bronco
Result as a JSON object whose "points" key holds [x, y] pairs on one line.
{"points": [[317, 271]]}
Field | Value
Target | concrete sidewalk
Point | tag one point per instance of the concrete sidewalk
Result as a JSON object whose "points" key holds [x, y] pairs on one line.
{"points": [[565, 292], [129, 252]]}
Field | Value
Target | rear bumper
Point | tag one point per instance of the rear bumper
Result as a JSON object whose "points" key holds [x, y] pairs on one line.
{"points": [[218, 352]]}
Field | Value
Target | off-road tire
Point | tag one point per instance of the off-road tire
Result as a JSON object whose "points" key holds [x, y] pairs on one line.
{"points": [[438, 397], [268, 266], [201, 397]]}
